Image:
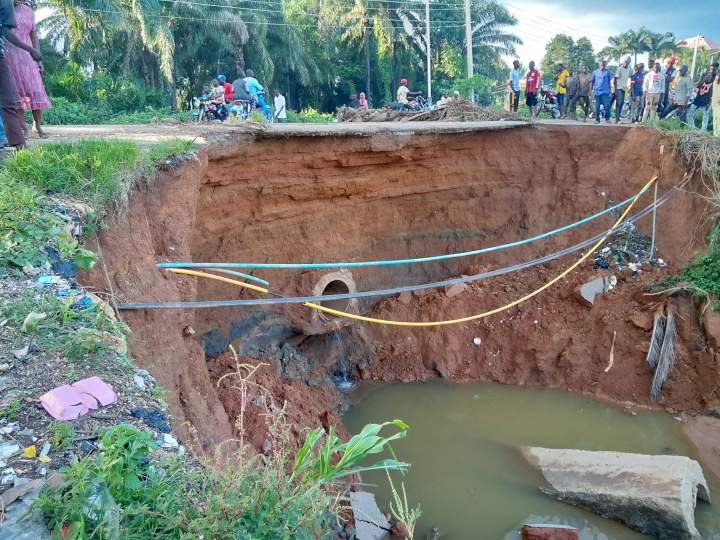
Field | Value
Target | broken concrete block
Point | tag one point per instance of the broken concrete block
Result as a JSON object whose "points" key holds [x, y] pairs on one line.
{"points": [[549, 532], [655, 495], [599, 285], [454, 290], [370, 522]]}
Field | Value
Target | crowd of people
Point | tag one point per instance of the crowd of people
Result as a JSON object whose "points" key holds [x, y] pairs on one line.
{"points": [[21, 69], [653, 93], [241, 96]]}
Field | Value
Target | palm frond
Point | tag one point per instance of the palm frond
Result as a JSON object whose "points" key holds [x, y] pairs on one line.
{"points": [[666, 359]]}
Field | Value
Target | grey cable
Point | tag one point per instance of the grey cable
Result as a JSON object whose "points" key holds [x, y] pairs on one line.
{"points": [[408, 288]]}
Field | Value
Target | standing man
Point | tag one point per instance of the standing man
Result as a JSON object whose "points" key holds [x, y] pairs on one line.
{"points": [[560, 86], [280, 110], [622, 80], [683, 90], [654, 88], [600, 82], [571, 87], [515, 86], [704, 95], [583, 93], [15, 131], [636, 92], [668, 72], [532, 84]]}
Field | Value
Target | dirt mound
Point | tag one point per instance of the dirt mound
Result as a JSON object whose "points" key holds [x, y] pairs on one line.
{"points": [[462, 111]]}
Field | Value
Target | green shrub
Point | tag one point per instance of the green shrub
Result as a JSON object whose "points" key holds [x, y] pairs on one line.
{"points": [[310, 116], [62, 434], [246, 496]]}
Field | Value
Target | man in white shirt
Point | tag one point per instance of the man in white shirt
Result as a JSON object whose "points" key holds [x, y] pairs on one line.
{"points": [[280, 110], [402, 92], [654, 88]]}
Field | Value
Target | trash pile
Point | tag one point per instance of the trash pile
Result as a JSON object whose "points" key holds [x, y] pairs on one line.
{"points": [[462, 111], [628, 248]]}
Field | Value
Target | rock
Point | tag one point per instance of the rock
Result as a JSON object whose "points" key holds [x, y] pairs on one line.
{"points": [[139, 381], [477, 341], [7, 476], [188, 331], [168, 441], [600, 285], [655, 495], [405, 298], [399, 530], [4, 367], [549, 532], [8, 449], [711, 322], [643, 320], [370, 523], [454, 290]]}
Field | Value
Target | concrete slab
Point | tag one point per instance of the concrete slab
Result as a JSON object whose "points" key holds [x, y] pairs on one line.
{"points": [[655, 495], [370, 522]]}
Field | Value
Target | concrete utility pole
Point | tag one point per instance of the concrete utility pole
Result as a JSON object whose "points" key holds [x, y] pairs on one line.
{"points": [[469, 47], [694, 61], [427, 49]]}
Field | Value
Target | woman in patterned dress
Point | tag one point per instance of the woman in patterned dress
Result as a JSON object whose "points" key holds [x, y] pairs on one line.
{"points": [[26, 72]]}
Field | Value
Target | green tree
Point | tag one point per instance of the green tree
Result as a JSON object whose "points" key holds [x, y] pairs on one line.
{"points": [[562, 48]]}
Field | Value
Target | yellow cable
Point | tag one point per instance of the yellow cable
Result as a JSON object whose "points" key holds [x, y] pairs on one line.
{"points": [[219, 278], [496, 310], [434, 323]]}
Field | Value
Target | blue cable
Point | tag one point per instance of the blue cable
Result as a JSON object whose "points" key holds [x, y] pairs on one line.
{"points": [[400, 261]]}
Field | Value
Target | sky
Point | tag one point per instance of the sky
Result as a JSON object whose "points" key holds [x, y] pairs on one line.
{"points": [[540, 20]]}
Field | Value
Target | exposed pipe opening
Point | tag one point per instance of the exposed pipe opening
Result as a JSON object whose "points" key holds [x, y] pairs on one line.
{"points": [[336, 286]]}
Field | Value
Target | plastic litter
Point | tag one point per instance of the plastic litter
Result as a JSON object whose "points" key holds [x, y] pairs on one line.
{"points": [[153, 418], [68, 402]]}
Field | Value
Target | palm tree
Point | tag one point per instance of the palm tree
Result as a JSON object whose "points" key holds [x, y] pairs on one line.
{"points": [[660, 44]]}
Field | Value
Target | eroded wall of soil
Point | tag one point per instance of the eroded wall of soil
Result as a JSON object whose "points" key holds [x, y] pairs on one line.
{"points": [[390, 196]]}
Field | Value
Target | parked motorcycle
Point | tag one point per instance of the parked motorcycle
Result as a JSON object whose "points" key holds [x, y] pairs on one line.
{"points": [[207, 110], [548, 102]]}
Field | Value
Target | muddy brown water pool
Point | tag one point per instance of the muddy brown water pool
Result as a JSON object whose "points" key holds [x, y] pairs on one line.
{"points": [[472, 483]]}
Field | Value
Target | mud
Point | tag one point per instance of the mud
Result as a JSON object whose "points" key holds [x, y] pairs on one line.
{"points": [[291, 197]]}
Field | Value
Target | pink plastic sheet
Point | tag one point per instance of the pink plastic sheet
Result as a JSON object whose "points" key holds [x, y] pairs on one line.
{"points": [[68, 402]]}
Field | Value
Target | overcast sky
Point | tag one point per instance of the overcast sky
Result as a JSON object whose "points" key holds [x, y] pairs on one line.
{"points": [[540, 20]]}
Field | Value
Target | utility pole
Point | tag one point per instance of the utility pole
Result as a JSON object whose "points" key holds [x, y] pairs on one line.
{"points": [[469, 47], [695, 52], [427, 49]]}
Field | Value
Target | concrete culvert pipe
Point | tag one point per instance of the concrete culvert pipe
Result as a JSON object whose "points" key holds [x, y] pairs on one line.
{"points": [[340, 282]]}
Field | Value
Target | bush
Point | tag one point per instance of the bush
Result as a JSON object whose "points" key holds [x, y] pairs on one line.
{"points": [[310, 116], [272, 497]]}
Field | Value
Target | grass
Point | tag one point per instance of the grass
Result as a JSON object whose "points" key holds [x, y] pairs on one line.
{"points": [[57, 326], [61, 434], [10, 411], [99, 173]]}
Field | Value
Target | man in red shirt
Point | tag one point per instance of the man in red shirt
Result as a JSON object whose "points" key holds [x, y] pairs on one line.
{"points": [[227, 87], [532, 84]]}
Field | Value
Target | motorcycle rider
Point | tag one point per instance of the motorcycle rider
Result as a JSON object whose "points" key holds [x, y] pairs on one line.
{"points": [[404, 94], [256, 90]]}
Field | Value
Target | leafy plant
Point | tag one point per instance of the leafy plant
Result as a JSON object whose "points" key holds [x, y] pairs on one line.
{"points": [[10, 411], [400, 508], [62, 434], [310, 116]]}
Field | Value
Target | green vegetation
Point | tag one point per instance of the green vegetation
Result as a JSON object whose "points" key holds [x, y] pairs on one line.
{"points": [[700, 152], [57, 325], [10, 411], [62, 434], [310, 115], [124, 491], [97, 172]]}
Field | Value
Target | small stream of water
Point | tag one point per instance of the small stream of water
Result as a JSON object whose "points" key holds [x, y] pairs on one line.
{"points": [[471, 482]]}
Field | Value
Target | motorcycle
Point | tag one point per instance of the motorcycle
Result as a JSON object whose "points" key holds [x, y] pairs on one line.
{"points": [[548, 102], [206, 109], [242, 108]]}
